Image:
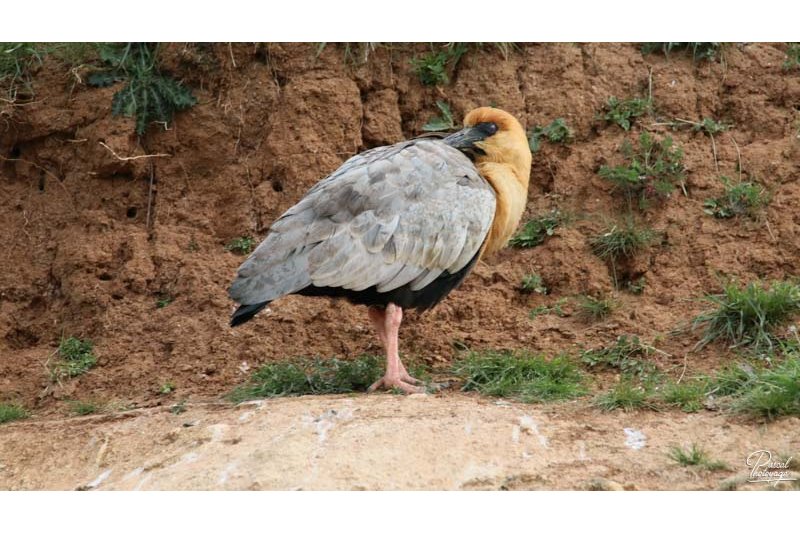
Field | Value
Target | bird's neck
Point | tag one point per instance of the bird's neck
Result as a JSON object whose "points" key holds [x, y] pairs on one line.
{"points": [[511, 191]]}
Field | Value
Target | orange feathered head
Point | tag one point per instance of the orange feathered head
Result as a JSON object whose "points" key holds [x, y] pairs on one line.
{"points": [[492, 135]]}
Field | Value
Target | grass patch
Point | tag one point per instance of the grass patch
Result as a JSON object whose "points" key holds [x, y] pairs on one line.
{"points": [[700, 51], [748, 317], [533, 283], [695, 456], [75, 357], [792, 57], [772, 393], [537, 230], [241, 245], [628, 355], [689, 395], [626, 396], [556, 132], [444, 122], [746, 198], [433, 68], [167, 388], [161, 303], [11, 411], [623, 113], [83, 408], [520, 375], [317, 376], [621, 241], [653, 170], [593, 309], [709, 126], [149, 95], [556, 309]]}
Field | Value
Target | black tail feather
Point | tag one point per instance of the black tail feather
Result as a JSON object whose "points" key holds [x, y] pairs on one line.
{"points": [[245, 313]]}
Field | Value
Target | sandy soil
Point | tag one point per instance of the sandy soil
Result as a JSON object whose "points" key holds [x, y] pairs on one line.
{"points": [[382, 442]]}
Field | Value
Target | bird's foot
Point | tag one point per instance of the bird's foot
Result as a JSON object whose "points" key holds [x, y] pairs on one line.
{"points": [[401, 382]]}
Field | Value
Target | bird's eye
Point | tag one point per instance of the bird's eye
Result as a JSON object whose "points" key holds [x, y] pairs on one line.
{"points": [[487, 128]]}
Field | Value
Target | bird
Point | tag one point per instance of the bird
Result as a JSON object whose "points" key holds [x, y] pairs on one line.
{"points": [[395, 228]]}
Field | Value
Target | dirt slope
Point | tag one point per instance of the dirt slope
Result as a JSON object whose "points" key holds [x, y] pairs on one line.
{"points": [[382, 443]]}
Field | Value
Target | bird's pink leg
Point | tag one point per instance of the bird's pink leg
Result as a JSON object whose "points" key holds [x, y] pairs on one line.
{"points": [[387, 324]]}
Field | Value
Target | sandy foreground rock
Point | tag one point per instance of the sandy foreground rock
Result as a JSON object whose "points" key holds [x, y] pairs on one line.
{"points": [[439, 442]]}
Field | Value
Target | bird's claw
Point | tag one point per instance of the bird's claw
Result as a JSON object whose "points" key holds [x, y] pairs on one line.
{"points": [[405, 383]]}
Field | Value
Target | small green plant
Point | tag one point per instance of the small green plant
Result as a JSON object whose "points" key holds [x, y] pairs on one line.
{"points": [[624, 112], [593, 309], [536, 230], [83, 408], [520, 375], [164, 301], [11, 411], [533, 283], [689, 395], [148, 94], [749, 316], [178, 408], [628, 355], [621, 241], [444, 122], [626, 396], [746, 198], [241, 245], [695, 456], [792, 57], [636, 287], [319, 376], [700, 51], [653, 170], [774, 393], [167, 388], [556, 132], [75, 357], [709, 126], [432, 68], [556, 309]]}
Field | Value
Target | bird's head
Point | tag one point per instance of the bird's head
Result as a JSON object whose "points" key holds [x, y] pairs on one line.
{"points": [[491, 135]]}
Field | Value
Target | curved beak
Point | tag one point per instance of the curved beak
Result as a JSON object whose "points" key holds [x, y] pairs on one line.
{"points": [[465, 138]]}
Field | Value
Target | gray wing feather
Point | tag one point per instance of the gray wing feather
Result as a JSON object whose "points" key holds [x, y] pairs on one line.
{"points": [[390, 216]]}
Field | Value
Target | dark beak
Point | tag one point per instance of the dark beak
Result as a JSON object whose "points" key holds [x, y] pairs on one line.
{"points": [[465, 139]]}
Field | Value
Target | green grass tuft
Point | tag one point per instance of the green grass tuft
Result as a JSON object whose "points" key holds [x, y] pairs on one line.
{"points": [[319, 376], [773, 393], [653, 170], [11, 411], [537, 230], [556, 309], [628, 355], [792, 57], [624, 112], [746, 198], [749, 316], [700, 51], [593, 309], [689, 395], [75, 357], [432, 68], [83, 408], [621, 241], [626, 396], [556, 132], [241, 245], [695, 456], [520, 375], [533, 283]]}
